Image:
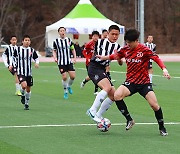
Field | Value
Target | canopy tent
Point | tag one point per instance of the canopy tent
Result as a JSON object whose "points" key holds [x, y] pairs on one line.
{"points": [[83, 19]]}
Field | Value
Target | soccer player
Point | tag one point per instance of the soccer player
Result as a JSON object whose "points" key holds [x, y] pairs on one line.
{"points": [[23, 57], [7, 56], [97, 73], [103, 36], [151, 46], [61, 53], [88, 53], [137, 79]]}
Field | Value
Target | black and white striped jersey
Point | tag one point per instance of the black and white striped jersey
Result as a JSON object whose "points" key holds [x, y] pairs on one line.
{"points": [[151, 46], [104, 47], [63, 50], [7, 55], [24, 58]]}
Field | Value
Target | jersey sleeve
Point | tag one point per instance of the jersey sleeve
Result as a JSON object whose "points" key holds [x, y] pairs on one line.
{"points": [[152, 55], [54, 45], [35, 56]]}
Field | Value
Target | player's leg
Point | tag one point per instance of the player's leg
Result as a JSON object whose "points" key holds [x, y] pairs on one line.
{"points": [[106, 104], [64, 84], [27, 97], [23, 91], [18, 86], [85, 81], [150, 70], [96, 89], [72, 76], [152, 100], [105, 85], [119, 95]]}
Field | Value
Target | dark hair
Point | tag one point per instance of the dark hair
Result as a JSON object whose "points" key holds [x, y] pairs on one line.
{"points": [[12, 36], [95, 33], [114, 27], [26, 36], [104, 30], [60, 28], [131, 35]]}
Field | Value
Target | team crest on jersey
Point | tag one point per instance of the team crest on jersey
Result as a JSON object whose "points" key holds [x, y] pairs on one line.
{"points": [[20, 79], [139, 54], [96, 77]]}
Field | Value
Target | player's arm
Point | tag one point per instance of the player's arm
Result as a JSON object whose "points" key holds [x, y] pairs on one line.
{"points": [[156, 58], [4, 57], [73, 52], [36, 59]]}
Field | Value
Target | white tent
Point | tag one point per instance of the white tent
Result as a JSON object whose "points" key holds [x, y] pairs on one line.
{"points": [[83, 19]]}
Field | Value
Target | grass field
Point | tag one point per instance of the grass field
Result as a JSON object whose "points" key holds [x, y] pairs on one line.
{"points": [[57, 126]]}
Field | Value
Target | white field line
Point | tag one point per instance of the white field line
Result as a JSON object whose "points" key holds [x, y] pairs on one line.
{"points": [[176, 77], [78, 125]]}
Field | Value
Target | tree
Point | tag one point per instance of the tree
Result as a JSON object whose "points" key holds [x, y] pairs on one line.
{"points": [[5, 6]]}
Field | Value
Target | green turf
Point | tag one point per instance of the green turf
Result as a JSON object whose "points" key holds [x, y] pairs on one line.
{"points": [[47, 107]]}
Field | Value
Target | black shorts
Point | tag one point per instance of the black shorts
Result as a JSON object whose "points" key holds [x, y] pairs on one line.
{"points": [[96, 72], [13, 71], [28, 79], [142, 89], [66, 68]]}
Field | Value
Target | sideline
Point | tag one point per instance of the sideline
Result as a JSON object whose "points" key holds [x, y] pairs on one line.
{"points": [[78, 125]]}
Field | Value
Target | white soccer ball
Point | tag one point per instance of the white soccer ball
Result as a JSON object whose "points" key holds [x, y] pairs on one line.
{"points": [[104, 125]]}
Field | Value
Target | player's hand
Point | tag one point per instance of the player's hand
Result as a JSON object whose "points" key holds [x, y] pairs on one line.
{"points": [[10, 68], [55, 59], [120, 62], [36, 65], [74, 60], [166, 74]]}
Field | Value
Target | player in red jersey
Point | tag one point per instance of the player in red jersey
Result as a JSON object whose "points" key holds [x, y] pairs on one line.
{"points": [[88, 53], [137, 57]]}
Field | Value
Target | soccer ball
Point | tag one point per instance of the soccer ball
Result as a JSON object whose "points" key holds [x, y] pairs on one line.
{"points": [[104, 125]]}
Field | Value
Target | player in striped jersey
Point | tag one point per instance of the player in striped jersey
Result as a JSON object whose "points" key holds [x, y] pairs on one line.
{"points": [[97, 73], [24, 55], [62, 47], [137, 79], [7, 56], [88, 53], [151, 46]]}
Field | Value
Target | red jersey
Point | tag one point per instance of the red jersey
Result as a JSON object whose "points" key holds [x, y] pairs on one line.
{"points": [[88, 51], [137, 63]]}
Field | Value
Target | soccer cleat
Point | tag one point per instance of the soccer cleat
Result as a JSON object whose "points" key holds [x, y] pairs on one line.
{"points": [[129, 124], [70, 90], [26, 107], [163, 132], [23, 99], [93, 116], [82, 84], [65, 95], [18, 93], [95, 93]]}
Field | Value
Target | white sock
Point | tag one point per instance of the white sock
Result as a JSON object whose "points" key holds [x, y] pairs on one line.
{"points": [[70, 82], [64, 83], [150, 77], [98, 100], [106, 104], [18, 87], [27, 96], [23, 92]]}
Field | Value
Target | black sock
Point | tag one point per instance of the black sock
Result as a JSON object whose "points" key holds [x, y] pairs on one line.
{"points": [[109, 75], [96, 88], [123, 109], [159, 117], [84, 81]]}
